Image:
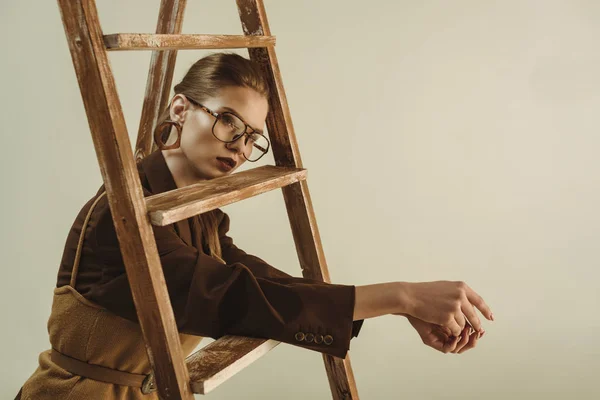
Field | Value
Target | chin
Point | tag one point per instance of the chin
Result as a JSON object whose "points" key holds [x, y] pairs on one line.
{"points": [[203, 174], [218, 173], [221, 173]]}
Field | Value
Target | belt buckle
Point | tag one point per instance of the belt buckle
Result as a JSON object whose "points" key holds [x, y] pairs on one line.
{"points": [[148, 385]]}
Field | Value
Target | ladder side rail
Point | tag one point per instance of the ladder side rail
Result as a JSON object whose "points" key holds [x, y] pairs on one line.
{"points": [[125, 196], [160, 76], [285, 146], [297, 198]]}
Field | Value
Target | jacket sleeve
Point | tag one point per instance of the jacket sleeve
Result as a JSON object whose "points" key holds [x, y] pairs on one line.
{"points": [[213, 299], [259, 267]]}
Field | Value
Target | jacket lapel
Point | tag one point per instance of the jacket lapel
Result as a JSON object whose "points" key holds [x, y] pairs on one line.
{"points": [[183, 230], [157, 178]]}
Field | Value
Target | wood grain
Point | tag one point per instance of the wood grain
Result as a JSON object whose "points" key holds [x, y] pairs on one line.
{"points": [[176, 205], [125, 197], [142, 41], [297, 197], [131, 211], [160, 76], [223, 358]]}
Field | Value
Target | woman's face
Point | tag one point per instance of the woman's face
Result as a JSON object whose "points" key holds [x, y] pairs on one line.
{"points": [[201, 152]]}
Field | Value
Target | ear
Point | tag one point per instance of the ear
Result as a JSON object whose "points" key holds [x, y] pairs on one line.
{"points": [[179, 105]]}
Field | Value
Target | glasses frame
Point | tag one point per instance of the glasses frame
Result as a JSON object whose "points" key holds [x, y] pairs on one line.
{"points": [[246, 133]]}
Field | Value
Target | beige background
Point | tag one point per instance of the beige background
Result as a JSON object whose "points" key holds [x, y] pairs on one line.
{"points": [[451, 140]]}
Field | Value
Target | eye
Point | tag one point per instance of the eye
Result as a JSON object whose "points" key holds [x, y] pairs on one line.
{"points": [[231, 122], [255, 137]]}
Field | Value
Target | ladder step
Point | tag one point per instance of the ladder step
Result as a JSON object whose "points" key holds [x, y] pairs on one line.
{"points": [[222, 359], [176, 205], [143, 41]]}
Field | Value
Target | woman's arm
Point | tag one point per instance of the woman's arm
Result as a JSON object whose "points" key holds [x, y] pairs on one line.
{"points": [[259, 267], [380, 299], [213, 299], [371, 300]]}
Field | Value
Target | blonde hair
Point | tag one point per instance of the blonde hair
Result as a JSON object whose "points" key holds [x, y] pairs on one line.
{"points": [[203, 80]]}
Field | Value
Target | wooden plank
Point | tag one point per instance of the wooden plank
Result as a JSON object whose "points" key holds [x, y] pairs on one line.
{"points": [[160, 76], [222, 359], [143, 41], [175, 205], [125, 197], [297, 197]]}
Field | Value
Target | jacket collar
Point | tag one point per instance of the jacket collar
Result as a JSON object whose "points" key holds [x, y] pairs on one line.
{"points": [[157, 178]]}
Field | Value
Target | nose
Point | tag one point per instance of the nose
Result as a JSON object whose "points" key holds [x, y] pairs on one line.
{"points": [[238, 146]]}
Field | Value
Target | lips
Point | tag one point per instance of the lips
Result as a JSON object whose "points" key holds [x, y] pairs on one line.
{"points": [[229, 161]]}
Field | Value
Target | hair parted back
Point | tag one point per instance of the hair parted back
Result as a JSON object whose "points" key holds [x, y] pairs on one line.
{"points": [[202, 81]]}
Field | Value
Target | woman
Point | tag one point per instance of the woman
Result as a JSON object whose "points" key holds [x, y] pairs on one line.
{"points": [[212, 126]]}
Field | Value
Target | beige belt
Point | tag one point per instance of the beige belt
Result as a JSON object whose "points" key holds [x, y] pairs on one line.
{"points": [[103, 374]]}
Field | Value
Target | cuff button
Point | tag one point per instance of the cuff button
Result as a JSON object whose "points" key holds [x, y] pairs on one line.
{"points": [[309, 338], [299, 336], [318, 339], [328, 339]]}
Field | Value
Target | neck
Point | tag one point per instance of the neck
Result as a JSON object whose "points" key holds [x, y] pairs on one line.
{"points": [[183, 172]]}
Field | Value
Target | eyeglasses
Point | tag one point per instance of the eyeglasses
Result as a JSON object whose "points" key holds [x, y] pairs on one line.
{"points": [[229, 127]]}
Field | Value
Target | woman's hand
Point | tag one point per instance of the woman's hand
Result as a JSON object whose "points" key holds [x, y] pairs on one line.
{"points": [[445, 303], [441, 339], [450, 305]]}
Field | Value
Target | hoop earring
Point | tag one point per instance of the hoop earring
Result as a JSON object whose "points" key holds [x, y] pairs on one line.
{"points": [[161, 135]]}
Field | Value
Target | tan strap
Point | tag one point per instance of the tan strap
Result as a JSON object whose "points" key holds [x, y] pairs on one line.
{"points": [[80, 243], [103, 374]]}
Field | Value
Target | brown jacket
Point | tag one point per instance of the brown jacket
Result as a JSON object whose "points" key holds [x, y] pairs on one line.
{"points": [[246, 297]]}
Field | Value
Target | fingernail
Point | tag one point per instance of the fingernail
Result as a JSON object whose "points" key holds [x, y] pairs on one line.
{"points": [[482, 333], [492, 316], [458, 338]]}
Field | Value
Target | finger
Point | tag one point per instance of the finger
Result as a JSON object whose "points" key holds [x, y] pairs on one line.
{"points": [[470, 313], [445, 330], [454, 327], [437, 344], [441, 333], [450, 345], [471, 330], [478, 302], [460, 320], [462, 342], [472, 342]]}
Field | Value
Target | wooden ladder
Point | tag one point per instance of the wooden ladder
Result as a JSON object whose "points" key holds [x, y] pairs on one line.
{"points": [[133, 214]]}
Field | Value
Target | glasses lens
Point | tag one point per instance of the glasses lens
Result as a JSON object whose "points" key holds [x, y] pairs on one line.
{"points": [[257, 146], [228, 127]]}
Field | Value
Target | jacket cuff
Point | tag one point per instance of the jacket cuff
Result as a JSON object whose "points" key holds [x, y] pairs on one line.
{"points": [[326, 324], [356, 327]]}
